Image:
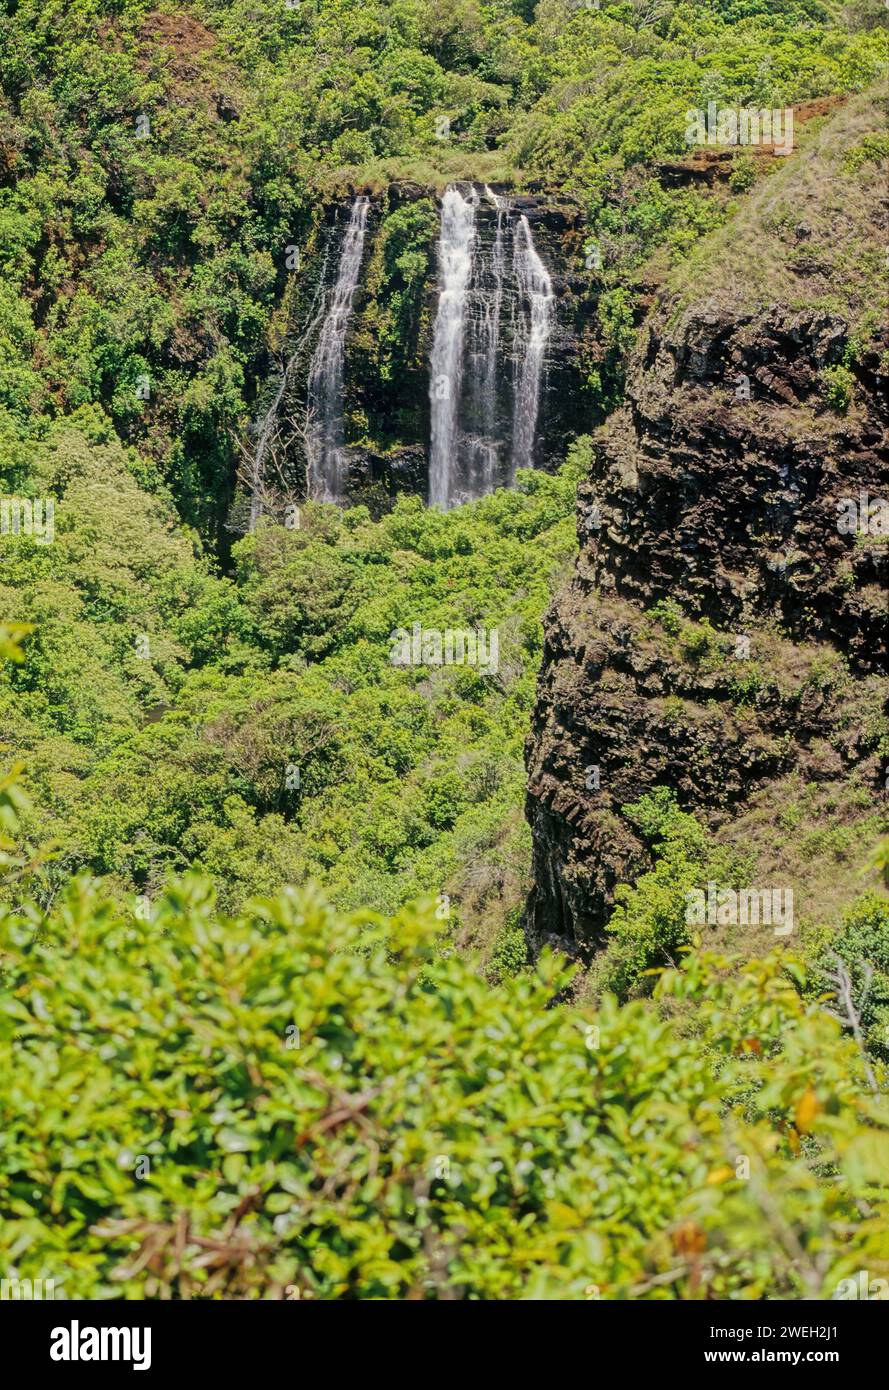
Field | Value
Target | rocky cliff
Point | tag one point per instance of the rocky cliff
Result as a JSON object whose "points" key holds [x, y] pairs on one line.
{"points": [[724, 632]]}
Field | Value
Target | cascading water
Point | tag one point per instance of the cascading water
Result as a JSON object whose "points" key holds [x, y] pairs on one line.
{"points": [[324, 422], [482, 441], [492, 311], [534, 324], [455, 267], [495, 315], [267, 431]]}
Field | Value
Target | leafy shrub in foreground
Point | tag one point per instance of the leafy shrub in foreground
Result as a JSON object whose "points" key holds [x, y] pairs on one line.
{"points": [[298, 1103]]}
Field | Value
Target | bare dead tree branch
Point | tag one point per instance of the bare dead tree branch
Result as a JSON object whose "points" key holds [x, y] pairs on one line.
{"points": [[849, 1017], [262, 470]]}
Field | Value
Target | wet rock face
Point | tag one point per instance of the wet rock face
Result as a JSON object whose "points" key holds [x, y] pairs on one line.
{"points": [[401, 410], [717, 487], [376, 480]]}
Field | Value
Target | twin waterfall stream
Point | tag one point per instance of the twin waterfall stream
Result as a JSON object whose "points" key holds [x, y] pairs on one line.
{"points": [[478, 292], [494, 317]]}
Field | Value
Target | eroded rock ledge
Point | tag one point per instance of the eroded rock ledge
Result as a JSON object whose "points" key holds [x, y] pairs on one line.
{"points": [[716, 487]]}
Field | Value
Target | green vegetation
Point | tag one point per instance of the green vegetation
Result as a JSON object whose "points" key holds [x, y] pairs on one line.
{"points": [[269, 1021], [155, 165], [335, 1108], [388, 336], [648, 926], [669, 614], [862, 946], [402, 781], [837, 383], [873, 148], [754, 257]]}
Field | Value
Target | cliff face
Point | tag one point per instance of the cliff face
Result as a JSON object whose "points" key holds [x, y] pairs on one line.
{"points": [[720, 497]]}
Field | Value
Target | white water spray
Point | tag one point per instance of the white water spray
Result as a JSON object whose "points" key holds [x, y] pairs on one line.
{"points": [[455, 249], [536, 308], [325, 429], [483, 444]]}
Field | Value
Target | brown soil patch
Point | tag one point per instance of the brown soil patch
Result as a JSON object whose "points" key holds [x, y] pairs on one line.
{"points": [[710, 166], [184, 34]]}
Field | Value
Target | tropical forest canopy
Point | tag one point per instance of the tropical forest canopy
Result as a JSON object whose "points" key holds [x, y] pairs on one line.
{"points": [[250, 867]]}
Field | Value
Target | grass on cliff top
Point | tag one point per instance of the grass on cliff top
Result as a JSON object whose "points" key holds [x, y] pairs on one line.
{"points": [[816, 837], [812, 232], [452, 165]]}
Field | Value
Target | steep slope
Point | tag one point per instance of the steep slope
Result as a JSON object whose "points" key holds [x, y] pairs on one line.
{"points": [[722, 633]]}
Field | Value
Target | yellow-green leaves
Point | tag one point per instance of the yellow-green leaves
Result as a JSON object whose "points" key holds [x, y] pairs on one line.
{"points": [[199, 1106]]}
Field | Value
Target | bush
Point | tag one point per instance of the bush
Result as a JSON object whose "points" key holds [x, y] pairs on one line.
{"points": [[698, 640], [743, 174], [836, 387], [296, 1103], [648, 926], [862, 945], [669, 614], [303, 1104], [510, 953], [873, 149]]}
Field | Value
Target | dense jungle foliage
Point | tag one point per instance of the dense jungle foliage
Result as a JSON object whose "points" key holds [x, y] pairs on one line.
{"points": [[252, 876], [157, 163]]}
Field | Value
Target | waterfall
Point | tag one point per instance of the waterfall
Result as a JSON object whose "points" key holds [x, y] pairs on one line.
{"points": [[267, 430], [533, 329], [324, 421], [482, 443], [455, 267], [494, 309]]}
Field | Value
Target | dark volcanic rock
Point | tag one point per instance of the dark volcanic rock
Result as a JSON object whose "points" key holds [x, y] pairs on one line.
{"points": [[375, 480], [730, 504], [716, 486]]}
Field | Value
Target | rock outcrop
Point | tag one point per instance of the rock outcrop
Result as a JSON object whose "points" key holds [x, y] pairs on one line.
{"points": [[725, 626]]}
